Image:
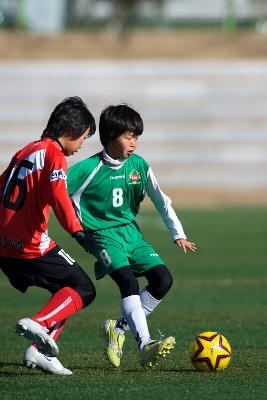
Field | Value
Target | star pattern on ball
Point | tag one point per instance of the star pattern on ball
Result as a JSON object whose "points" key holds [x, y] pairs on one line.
{"points": [[211, 350]]}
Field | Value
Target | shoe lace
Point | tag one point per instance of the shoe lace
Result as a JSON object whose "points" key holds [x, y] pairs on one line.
{"points": [[161, 335]]}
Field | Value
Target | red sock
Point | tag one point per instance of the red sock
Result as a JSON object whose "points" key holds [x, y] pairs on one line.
{"points": [[57, 329], [62, 304]]}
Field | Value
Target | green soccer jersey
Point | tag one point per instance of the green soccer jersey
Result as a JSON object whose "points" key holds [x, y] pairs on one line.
{"points": [[104, 195]]}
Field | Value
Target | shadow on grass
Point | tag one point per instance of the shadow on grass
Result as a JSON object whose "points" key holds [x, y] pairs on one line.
{"points": [[6, 369], [16, 369], [133, 370]]}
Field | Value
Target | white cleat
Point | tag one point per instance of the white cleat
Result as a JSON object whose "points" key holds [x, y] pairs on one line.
{"points": [[37, 334], [32, 358]]}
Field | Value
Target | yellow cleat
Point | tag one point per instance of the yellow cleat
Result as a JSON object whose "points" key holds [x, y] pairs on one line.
{"points": [[114, 341], [155, 350]]}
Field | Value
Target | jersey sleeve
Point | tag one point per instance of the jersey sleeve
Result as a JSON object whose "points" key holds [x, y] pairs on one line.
{"points": [[5, 174], [163, 204], [55, 191], [3, 180]]}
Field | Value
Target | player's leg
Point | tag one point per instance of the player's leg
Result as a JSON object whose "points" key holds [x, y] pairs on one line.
{"points": [[133, 312], [33, 358], [159, 283], [65, 302], [21, 277], [72, 290], [70, 286], [57, 329], [109, 251], [146, 262], [131, 306]]}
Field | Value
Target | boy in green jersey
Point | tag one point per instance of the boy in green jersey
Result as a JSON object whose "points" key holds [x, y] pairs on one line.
{"points": [[107, 189]]}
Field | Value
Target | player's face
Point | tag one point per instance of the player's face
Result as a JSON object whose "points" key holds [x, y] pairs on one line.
{"points": [[123, 146], [71, 146]]}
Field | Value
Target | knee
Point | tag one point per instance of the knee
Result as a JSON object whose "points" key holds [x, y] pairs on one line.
{"points": [[87, 293], [160, 282], [164, 285], [126, 281], [167, 281]]}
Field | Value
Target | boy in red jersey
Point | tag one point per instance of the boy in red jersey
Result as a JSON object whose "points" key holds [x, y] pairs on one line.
{"points": [[34, 181]]}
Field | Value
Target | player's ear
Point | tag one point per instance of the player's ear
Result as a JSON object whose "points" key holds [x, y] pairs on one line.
{"points": [[67, 134]]}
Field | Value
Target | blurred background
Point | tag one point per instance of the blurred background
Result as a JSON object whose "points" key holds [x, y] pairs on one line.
{"points": [[196, 70]]}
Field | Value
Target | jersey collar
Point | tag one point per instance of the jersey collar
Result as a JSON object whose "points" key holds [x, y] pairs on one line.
{"points": [[61, 147], [110, 161], [56, 142]]}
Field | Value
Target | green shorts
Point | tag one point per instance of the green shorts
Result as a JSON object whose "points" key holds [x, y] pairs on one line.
{"points": [[117, 247]]}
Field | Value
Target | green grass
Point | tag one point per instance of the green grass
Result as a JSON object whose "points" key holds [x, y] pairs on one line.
{"points": [[222, 287]]}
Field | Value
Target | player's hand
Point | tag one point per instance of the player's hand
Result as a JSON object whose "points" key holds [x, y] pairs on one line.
{"points": [[184, 244], [84, 239], [89, 242], [80, 237]]}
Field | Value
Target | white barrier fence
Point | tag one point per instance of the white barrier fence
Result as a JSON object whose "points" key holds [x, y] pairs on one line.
{"points": [[205, 121]]}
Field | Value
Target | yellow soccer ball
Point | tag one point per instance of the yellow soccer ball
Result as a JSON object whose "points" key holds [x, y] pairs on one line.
{"points": [[210, 352]]}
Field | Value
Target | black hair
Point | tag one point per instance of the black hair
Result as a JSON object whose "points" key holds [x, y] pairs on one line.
{"points": [[116, 120], [71, 116]]}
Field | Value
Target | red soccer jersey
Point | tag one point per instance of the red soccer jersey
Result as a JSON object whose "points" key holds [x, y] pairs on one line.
{"points": [[34, 181]]}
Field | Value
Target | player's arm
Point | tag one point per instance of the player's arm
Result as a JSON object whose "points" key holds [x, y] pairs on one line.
{"points": [[4, 178], [163, 204], [3, 181], [55, 190]]}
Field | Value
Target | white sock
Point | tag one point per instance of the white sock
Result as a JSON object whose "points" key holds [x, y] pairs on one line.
{"points": [[133, 312], [149, 303]]}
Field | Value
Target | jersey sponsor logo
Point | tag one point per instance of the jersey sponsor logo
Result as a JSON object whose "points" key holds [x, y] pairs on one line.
{"points": [[58, 174], [117, 177], [11, 243], [134, 178], [68, 301]]}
